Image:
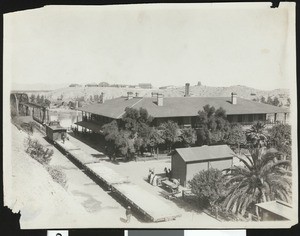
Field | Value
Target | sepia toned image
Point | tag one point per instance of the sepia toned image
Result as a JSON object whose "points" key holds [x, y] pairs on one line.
{"points": [[151, 116]]}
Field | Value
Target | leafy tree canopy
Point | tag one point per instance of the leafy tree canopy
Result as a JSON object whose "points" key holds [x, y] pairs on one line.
{"points": [[280, 138], [257, 135], [188, 136], [236, 136], [170, 133], [209, 185], [213, 125], [262, 177]]}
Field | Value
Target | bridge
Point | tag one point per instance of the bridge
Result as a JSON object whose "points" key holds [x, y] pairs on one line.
{"points": [[21, 106]]}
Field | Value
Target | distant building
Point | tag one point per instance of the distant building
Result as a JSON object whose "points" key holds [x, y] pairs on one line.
{"points": [[275, 210], [118, 85], [186, 162], [199, 83], [74, 85], [145, 85], [91, 85], [103, 84]]}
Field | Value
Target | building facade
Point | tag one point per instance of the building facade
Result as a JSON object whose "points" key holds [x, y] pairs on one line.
{"points": [[183, 110], [186, 162]]}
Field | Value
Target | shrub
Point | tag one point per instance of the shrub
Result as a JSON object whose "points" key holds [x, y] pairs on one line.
{"points": [[27, 127], [37, 151], [208, 185], [58, 175]]}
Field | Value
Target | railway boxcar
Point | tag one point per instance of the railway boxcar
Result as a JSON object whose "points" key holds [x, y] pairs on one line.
{"points": [[54, 131]]}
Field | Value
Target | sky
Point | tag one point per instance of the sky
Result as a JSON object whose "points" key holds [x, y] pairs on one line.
{"points": [[162, 44]]}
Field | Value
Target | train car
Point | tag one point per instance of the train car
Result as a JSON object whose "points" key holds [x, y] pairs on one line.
{"points": [[55, 132]]}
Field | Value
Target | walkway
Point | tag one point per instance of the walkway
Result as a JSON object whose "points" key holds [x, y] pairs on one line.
{"points": [[137, 172]]}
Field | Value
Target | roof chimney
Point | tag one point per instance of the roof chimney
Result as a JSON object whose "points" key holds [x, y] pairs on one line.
{"points": [[160, 99], [187, 90], [233, 98], [129, 95]]}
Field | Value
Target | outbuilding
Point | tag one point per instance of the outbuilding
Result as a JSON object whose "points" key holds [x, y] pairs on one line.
{"points": [[275, 210], [186, 162]]}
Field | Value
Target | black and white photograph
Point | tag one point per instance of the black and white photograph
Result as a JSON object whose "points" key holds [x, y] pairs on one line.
{"points": [[151, 116]]}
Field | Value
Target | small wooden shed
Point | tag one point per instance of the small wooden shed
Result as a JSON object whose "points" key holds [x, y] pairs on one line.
{"points": [[55, 131], [186, 162]]}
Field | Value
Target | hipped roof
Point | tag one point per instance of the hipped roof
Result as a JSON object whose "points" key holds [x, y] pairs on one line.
{"points": [[179, 106], [205, 153]]}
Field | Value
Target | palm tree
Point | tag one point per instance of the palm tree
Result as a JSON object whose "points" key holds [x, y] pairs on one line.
{"points": [[257, 136], [263, 177]]}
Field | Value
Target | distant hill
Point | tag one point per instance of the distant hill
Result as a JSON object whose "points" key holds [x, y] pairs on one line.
{"points": [[73, 93], [241, 91], [37, 87]]}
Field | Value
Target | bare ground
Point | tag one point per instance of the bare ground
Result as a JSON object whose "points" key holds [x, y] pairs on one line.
{"points": [[45, 204]]}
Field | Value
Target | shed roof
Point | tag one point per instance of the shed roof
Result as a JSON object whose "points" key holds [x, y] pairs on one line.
{"points": [[277, 207], [57, 127], [205, 153], [189, 106], [89, 125]]}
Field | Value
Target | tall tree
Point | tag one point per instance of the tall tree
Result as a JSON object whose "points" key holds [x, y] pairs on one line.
{"points": [[269, 100], [257, 136], [170, 133], [188, 136], [47, 102], [132, 134], [125, 144], [38, 99], [130, 120], [280, 138], [276, 101], [262, 178], [155, 139], [263, 99], [110, 131], [42, 100], [32, 98], [213, 125], [236, 136]]}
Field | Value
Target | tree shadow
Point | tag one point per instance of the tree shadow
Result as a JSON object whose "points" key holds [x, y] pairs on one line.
{"points": [[88, 141], [99, 155], [112, 161], [181, 203]]}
